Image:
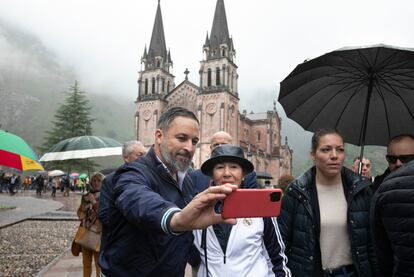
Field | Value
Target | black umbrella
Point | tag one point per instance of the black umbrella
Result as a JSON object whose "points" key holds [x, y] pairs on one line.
{"points": [[366, 93]]}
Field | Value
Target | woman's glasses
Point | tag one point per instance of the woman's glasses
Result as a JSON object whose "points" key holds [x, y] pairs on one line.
{"points": [[403, 158]]}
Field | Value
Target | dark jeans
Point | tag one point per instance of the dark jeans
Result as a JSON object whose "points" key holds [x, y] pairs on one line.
{"points": [[344, 271]]}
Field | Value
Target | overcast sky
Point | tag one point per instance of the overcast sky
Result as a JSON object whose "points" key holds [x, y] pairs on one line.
{"points": [[105, 39]]}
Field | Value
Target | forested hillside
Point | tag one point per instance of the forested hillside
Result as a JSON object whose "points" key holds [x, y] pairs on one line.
{"points": [[32, 86]]}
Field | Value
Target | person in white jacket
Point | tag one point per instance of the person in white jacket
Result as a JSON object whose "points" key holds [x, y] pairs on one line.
{"points": [[252, 247]]}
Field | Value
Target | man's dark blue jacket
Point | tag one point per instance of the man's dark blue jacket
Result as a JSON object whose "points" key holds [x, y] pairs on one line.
{"points": [[139, 241], [392, 223]]}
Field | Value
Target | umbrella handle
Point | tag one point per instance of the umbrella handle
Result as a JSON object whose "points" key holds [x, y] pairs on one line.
{"points": [[365, 116], [361, 155]]}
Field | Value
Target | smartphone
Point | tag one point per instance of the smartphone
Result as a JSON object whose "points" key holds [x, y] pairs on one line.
{"points": [[252, 203]]}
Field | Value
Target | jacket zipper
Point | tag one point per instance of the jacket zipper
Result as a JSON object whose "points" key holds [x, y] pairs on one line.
{"points": [[304, 201], [353, 191]]}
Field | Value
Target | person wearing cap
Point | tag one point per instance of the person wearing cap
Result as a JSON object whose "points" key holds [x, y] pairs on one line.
{"points": [[252, 247]]}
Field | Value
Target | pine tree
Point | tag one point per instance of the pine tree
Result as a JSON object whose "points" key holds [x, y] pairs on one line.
{"points": [[71, 119]]}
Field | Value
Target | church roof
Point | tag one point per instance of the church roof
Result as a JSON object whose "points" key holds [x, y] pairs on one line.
{"points": [[257, 116], [183, 83], [157, 45], [219, 31]]}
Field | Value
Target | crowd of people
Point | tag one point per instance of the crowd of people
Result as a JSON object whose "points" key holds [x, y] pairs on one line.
{"points": [[12, 183], [156, 215]]}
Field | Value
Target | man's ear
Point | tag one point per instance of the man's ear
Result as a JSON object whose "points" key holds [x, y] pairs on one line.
{"points": [[158, 136]]}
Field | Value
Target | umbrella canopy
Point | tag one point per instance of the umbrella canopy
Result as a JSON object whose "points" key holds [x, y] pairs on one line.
{"points": [[16, 153], [74, 175], [83, 176], [83, 147], [55, 173], [366, 93]]}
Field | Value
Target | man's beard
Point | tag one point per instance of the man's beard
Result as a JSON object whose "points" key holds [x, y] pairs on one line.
{"points": [[174, 164]]}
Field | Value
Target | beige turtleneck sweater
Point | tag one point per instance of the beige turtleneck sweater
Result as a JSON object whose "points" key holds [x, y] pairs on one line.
{"points": [[334, 240]]}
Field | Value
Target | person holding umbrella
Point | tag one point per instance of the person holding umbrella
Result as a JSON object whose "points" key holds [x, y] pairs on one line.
{"points": [[324, 216]]}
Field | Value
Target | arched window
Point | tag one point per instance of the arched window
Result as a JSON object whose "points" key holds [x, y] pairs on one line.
{"points": [[146, 86], [258, 136], [153, 85], [209, 77], [163, 85], [168, 86], [217, 76], [158, 63], [223, 52]]}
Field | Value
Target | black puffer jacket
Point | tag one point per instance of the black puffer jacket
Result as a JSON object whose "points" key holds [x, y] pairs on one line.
{"points": [[300, 225], [393, 223]]}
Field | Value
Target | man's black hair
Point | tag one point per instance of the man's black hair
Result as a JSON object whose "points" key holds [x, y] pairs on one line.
{"points": [[169, 115]]}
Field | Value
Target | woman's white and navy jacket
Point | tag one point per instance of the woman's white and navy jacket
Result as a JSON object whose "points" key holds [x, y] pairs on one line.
{"points": [[254, 248]]}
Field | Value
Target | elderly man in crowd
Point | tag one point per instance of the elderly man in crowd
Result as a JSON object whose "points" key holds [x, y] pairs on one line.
{"points": [[202, 181], [132, 150]]}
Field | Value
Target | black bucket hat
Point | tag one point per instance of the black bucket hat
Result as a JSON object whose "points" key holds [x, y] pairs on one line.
{"points": [[226, 153]]}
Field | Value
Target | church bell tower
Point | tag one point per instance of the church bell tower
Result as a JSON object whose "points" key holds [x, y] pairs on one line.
{"points": [[218, 109], [154, 82]]}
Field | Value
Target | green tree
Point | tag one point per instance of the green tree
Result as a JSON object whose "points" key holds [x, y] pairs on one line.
{"points": [[71, 119]]}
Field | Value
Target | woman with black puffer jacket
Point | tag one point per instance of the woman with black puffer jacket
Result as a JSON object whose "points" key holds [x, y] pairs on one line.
{"points": [[324, 219]]}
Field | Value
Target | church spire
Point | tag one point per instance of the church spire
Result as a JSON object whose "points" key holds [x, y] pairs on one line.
{"points": [[157, 56], [220, 44]]}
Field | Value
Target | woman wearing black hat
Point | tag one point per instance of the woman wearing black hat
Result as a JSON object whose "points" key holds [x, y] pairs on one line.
{"points": [[252, 247]]}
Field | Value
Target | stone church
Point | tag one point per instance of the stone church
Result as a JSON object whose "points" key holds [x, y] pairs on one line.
{"points": [[215, 100]]}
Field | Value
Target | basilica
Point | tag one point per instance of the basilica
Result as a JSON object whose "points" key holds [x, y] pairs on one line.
{"points": [[215, 100]]}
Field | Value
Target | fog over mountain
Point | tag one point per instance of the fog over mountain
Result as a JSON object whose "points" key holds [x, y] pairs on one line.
{"points": [[32, 85], [33, 79]]}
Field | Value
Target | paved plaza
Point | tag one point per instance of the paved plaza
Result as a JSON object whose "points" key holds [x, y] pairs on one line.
{"points": [[55, 220]]}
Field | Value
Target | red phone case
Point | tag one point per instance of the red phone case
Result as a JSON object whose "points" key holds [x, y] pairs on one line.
{"points": [[252, 203]]}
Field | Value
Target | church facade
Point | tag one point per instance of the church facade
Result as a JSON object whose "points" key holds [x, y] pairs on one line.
{"points": [[215, 100]]}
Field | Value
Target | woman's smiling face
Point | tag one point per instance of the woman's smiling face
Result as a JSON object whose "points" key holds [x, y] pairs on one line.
{"points": [[227, 172]]}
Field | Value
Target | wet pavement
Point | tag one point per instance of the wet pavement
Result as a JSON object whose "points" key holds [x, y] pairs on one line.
{"points": [[35, 233], [35, 237]]}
